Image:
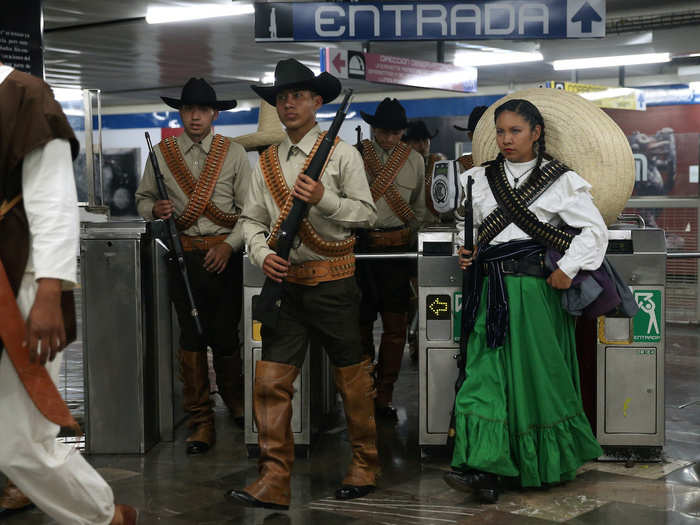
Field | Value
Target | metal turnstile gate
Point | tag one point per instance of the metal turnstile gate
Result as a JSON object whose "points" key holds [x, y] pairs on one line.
{"points": [[314, 377], [630, 352], [439, 311]]}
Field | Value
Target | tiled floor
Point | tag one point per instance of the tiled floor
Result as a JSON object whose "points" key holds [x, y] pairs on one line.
{"points": [[167, 486]]}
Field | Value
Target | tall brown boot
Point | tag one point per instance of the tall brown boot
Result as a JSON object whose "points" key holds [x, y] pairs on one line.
{"points": [[272, 404], [355, 385], [13, 499], [389, 363], [229, 380], [196, 401]]}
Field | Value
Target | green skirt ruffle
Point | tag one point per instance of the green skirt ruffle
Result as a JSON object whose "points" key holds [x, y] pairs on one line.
{"points": [[519, 411]]}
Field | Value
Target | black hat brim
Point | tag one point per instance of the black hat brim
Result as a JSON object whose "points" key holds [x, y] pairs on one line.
{"points": [[460, 128], [219, 105], [373, 121], [325, 85]]}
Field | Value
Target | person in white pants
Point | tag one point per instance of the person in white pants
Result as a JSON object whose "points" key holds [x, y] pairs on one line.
{"points": [[53, 475]]}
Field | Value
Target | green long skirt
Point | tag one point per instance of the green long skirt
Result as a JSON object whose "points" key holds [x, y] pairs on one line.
{"points": [[519, 411]]}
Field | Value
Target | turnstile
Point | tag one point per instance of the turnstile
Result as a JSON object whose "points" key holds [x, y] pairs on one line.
{"points": [[315, 379], [630, 352], [132, 399], [439, 314]]}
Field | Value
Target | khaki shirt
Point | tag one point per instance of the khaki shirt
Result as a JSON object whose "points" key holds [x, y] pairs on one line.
{"points": [[346, 202], [231, 187], [411, 185]]}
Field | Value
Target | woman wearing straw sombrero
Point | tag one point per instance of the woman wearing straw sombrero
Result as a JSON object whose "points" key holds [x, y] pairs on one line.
{"points": [[519, 416]]}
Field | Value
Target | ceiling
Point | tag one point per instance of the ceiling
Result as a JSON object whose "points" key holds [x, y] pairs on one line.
{"points": [[108, 45]]}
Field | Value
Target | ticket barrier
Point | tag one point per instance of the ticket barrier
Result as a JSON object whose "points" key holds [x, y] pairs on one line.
{"points": [[630, 353], [130, 335], [628, 374], [314, 388]]}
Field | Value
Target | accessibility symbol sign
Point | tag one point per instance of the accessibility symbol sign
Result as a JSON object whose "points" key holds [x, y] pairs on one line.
{"points": [[585, 18], [647, 322]]}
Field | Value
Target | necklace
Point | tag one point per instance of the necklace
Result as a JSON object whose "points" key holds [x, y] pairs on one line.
{"points": [[516, 179]]}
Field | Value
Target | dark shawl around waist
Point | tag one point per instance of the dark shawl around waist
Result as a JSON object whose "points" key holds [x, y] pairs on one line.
{"points": [[497, 297]]}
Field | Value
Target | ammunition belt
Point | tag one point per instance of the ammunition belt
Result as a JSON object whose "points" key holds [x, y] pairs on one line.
{"points": [[191, 243], [282, 195], [311, 273], [513, 206], [382, 178], [199, 190]]}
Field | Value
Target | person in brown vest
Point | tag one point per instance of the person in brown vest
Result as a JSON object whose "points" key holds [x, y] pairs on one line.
{"points": [[206, 176], [320, 295], [39, 232], [396, 174]]}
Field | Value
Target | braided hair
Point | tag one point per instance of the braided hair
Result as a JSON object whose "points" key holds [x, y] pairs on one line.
{"points": [[532, 115]]}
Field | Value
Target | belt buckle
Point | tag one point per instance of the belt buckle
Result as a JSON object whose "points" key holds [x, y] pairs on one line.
{"points": [[507, 269]]}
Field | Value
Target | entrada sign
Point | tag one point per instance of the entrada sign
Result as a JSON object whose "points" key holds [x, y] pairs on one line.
{"points": [[480, 19]]}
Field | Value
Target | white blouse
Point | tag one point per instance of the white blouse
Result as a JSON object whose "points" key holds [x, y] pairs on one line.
{"points": [[568, 200]]}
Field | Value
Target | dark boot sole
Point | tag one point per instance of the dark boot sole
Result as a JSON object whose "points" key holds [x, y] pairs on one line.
{"points": [[458, 485], [354, 492], [249, 501]]}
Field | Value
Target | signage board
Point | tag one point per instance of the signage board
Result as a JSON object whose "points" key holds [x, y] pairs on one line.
{"points": [[476, 20], [400, 71], [20, 37], [603, 96]]}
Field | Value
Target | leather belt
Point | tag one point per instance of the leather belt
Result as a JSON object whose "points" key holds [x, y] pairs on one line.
{"points": [[191, 243], [389, 238], [532, 266], [312, 273]]}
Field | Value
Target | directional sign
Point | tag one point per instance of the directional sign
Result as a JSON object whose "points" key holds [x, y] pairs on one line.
{"points": [[476, 20], [438, 307], [335, 61]]}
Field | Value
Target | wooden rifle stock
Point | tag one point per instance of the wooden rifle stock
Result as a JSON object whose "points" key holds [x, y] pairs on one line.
{"points": [[266, 306], [175, 242]]}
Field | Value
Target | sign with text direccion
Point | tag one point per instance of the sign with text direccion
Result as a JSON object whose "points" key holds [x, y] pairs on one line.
{"points": [[477, 20], [398, 70]]}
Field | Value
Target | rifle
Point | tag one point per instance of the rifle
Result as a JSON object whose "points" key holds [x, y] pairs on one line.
{"points": [[358, 130], [463, 340], [266, 307], [175, 243]]}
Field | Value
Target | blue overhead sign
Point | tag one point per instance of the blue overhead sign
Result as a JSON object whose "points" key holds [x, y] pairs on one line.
{"points": [[477, 20]]}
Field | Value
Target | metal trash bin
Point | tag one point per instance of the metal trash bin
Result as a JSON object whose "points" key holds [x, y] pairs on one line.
{"points": [[439, 307], [128, 338], [316, 377], [630, 353]]}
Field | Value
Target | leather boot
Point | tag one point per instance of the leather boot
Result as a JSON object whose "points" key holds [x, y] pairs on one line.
{"points": [[272, 405], [229, 380], [13, 499], [389, 363], [194, 372], [355, 386]]}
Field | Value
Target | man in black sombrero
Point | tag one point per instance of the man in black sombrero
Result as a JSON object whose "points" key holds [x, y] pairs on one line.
{"points": [[396, 175], [199, 163], [320, 295]]}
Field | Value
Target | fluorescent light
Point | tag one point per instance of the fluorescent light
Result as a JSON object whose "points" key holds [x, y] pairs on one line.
{"points": [[607, 93], [614, 61], [162, 15], [67, 95], [685, 71], [494, 58]]}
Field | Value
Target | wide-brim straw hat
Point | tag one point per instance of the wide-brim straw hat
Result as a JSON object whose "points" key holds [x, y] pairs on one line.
{"points": [[582, 136], [270, 130]]}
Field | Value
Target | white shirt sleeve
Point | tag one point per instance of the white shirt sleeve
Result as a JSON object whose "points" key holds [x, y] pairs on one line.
{"points": [[50, 200], [574, 205]]}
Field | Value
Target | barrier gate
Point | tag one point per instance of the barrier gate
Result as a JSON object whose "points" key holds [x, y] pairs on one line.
{"points": [[629, 352]]}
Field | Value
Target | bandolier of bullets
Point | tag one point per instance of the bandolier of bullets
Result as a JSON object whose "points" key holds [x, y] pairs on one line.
{"points": [[282, 195], [383, 178], [432, 159], [516, 203], [199, 191]]}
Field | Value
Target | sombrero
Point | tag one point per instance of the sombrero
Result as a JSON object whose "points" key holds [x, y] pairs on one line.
{"points": [[292, 74], [582, 136], [418, 130], [197, 92], [270, 130]]}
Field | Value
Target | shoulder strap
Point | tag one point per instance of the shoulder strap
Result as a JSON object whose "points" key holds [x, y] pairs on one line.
{"points": [[199, 191], [282, 195], [515, 206], [382, 178]]}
